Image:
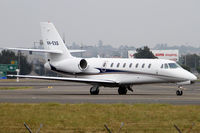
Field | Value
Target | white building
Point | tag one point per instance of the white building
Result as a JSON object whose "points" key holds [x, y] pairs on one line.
{"points": [[161, 54]]}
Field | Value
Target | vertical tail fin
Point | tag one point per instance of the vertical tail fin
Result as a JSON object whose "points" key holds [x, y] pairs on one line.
{"points": [[53, 41]]}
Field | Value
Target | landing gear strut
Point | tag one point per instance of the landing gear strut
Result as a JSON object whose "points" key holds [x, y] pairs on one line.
{"points": [[94, 90], [122, 90], [179, 92]]}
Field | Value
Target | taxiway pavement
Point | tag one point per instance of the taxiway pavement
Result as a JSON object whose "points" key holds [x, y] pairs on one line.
{"points": [[67, 92]]}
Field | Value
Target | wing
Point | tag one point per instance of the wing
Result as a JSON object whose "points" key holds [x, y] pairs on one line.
{"points": [[43, 50], [81, 80]]}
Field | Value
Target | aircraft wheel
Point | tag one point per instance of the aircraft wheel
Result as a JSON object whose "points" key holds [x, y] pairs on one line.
{"points": [[122, 90], [94, 90], [179, 93]]}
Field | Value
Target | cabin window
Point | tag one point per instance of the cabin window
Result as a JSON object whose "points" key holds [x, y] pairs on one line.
{"points": [[136, 66], [143, 65], [124, 65], [130, 65], [104, 64], [118, 64], [161, 66], [149, 66], [166, 66], [111, 65]]}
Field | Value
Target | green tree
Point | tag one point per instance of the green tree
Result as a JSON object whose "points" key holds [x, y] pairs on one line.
{"points": [[192, 60], [198, 69], [144, 53], [6, 56], [185, 67]]}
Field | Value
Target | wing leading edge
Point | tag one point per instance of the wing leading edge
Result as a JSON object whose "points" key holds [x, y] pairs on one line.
{"points": [[81, 80]]}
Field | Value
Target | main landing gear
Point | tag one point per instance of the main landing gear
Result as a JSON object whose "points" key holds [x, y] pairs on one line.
{"points": [[179, 92], [94, 90], [123, 90]]}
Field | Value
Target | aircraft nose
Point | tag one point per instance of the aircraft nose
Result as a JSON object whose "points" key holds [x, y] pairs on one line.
{"points": [[193, 77]]}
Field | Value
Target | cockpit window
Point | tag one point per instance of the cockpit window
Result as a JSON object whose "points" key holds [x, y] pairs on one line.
{"points": [[173, 65], [166, 66], [161, 66]]}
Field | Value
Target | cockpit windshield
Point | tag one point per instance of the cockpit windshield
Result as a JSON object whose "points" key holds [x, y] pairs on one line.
{"points": [[173, 65]]}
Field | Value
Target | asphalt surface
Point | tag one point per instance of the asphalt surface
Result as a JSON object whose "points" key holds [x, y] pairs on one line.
{"points": [[67, 92]]}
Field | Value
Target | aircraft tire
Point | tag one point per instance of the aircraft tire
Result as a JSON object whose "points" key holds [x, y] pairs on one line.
{"points": [[179, 93], [122, 90], [94, 90]]}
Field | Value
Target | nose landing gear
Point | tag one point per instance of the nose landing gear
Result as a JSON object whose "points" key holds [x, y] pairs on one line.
{"points": [[179, 92]]}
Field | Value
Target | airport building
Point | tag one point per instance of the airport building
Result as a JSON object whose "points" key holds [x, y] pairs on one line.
{"points": [[161, 54]]}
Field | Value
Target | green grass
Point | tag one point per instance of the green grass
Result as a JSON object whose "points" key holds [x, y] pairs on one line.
{"points": [[14, 88], [90, 118]]}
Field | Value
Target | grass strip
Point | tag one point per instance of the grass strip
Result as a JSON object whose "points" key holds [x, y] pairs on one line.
{"points": [[14, 88], [87, 118]]}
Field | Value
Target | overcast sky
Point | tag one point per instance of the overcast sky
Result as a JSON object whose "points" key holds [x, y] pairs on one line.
{"points": [[116, 22]]}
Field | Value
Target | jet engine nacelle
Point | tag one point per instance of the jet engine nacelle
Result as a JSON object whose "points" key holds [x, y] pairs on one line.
{"points": [[83, 65], [74, 65]]}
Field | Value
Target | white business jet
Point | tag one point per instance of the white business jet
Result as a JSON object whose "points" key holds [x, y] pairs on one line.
{"points": [[108, 72]]}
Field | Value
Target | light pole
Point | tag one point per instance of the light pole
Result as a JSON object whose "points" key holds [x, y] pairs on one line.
{"points": [[19, 54], [185, 60]]}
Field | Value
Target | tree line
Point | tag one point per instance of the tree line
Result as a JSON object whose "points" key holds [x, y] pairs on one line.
{"points": [[6, 56]]}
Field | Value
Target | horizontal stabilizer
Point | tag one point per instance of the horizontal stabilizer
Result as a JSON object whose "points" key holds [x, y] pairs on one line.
{"points": [[35, 50], [43, 50], [76, 51]]}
